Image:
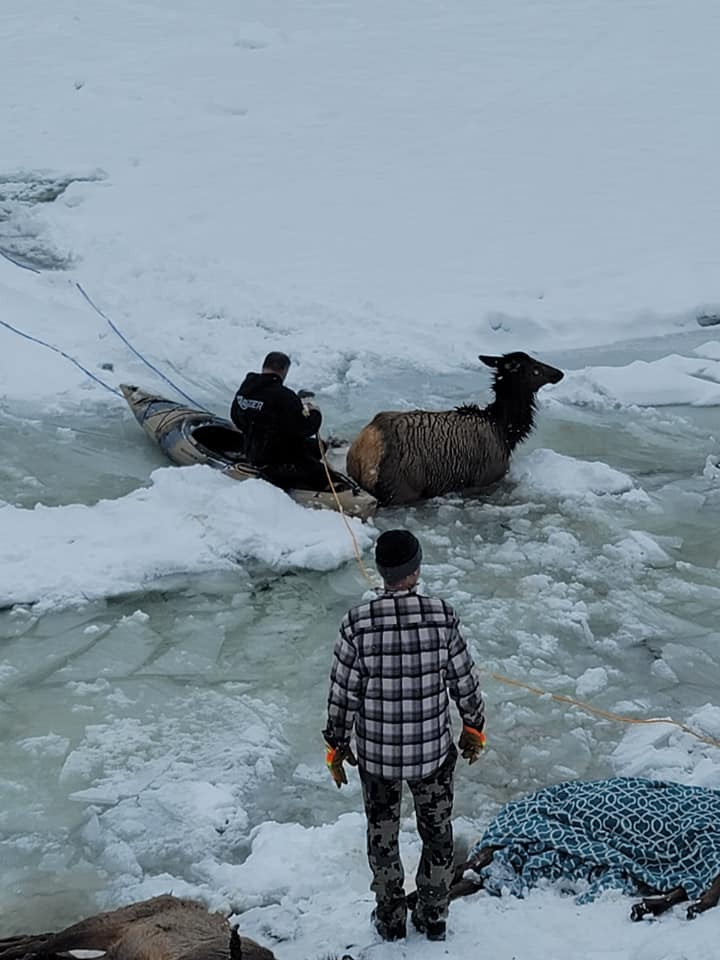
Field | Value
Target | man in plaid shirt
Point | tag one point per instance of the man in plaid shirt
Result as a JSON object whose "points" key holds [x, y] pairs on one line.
{"points": [[396, 659]]}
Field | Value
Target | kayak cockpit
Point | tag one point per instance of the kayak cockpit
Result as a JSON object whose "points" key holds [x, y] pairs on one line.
{"points": [[220, 440]]}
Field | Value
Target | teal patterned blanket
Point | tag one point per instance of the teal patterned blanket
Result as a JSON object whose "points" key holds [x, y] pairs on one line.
{"points": [[626, 833]]}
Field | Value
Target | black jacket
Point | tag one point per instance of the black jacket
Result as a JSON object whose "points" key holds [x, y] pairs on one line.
{"points": [[273, 419]]}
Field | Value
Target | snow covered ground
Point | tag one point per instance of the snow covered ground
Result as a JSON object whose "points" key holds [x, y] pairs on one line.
{"points": [[385, 191]]}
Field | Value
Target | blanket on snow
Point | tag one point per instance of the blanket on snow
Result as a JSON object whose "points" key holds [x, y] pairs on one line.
{"points": [[626, 833]]}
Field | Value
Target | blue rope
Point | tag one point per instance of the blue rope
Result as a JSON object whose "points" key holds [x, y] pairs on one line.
{"points": [[62, 354], [18, 263], [137, 353], [113, 327]]}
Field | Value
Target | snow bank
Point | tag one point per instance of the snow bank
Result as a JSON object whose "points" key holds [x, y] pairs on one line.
{"points": [[189, 520]]}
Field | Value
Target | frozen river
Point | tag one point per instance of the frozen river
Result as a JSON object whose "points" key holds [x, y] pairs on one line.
{"points": [[146, 735], [379, 190]]}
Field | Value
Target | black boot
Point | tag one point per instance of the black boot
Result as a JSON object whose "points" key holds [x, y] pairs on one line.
{"points": [[433, 929], [389, 930]]}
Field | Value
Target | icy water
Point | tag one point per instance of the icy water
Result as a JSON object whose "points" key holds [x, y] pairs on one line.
{"points": [[115, 717]]}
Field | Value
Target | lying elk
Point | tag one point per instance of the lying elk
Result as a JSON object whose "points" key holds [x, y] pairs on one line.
{"points": [[653, 838], [462, 886], [163, 928], [404, 456]]}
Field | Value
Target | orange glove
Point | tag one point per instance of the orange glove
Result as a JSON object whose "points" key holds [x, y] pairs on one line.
{"points": [[471, 743], [334, 759]]}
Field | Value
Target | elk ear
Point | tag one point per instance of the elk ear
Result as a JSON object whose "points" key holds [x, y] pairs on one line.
{"points": [[235, 945], [490, 361]]}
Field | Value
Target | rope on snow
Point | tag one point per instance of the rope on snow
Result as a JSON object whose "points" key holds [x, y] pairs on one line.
{"points": [[62, 353], [137, 353], [113, 327], [18, 263]]}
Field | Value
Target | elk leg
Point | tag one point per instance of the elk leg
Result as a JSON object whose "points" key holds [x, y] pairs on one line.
{"points": [[462, 886], [476, 862], [459, 885], [657, 905], [458, 888], [709, 899]]}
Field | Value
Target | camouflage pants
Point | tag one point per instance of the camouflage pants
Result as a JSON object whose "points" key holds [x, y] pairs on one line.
{"points": [[433, 798]]}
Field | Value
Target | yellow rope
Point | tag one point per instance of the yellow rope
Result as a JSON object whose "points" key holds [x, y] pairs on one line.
{"points": [[356, 547], [557, 697], [561, 698]]}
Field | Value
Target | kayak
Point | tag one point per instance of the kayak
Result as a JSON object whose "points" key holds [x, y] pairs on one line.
{"points": [[187, 436]]}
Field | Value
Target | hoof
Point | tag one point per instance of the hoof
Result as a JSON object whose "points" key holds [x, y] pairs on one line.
{"points": [[638, 911]]}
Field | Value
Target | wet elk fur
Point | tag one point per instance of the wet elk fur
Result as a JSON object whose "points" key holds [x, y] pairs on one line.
{"points": [[403, 456], [164, 928]]}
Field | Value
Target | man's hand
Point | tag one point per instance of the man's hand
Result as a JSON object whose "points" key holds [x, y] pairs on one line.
{"points": [[334, 759], [471, 743]]}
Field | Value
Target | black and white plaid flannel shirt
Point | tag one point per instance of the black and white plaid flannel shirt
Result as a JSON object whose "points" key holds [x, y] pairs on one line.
{"points": [[396, 659]]}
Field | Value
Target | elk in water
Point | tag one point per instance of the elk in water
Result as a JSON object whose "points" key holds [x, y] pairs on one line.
{"points": [[405, 456]]}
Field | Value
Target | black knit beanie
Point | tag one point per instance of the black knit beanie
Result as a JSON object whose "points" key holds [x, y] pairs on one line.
{"points": [[397, 554]]}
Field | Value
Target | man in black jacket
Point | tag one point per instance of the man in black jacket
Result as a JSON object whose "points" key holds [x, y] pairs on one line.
{"points": [[279, 428]]}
